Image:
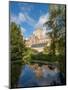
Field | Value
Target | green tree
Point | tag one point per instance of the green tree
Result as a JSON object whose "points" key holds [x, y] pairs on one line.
{"points": [[46, 49], [16, 52], [56, 23], [28, 55]]}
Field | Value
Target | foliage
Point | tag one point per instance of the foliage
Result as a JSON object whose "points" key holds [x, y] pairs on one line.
{"points": [[50, 58], [61, 46], [16, 52], [16, 42], [57, 24], [28, 54], [46, 50]]}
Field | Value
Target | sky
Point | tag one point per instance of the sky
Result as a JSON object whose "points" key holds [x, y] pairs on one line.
{"points": [[29, 16]]}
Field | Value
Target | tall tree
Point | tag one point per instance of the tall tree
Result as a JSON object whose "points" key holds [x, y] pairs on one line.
{"points": [[56, 23], [16, 52], [16, 42]]}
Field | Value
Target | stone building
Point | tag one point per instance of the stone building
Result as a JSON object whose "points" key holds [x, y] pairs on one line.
{"points": [[38, 40]]}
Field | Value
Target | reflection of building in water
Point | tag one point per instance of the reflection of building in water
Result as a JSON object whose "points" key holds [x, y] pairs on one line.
{"points": [[38, 40]]}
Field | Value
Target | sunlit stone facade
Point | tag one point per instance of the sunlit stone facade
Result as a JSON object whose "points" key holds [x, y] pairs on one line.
{"points": [[38, 40]]}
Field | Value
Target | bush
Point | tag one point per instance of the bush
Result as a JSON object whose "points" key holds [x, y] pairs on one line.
{"points": [[51, 58]]}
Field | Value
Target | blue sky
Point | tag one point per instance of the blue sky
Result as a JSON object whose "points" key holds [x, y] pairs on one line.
{"points": [[29, 16]]}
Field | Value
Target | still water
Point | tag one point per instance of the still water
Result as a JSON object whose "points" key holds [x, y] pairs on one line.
{"points": [[28, 77]]}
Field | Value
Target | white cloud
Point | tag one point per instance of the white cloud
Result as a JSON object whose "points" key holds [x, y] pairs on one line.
{"points": [[18, 19], [42, 20], [23, 30], [30, 20], [22, 17], [14, 19]]}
